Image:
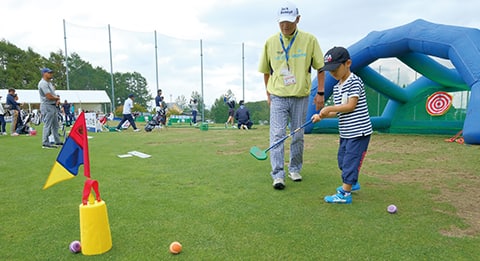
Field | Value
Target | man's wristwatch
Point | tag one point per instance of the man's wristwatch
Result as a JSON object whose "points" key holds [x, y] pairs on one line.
{"points": [[321, 93]]}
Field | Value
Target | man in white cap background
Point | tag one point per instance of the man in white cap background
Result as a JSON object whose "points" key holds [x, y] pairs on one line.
{"points": [[48, 108], [286, 62], [127, 113]]}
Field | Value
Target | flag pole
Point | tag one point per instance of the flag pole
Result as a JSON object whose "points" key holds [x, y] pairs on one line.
{"points": [[111, 69], [66, 53]]}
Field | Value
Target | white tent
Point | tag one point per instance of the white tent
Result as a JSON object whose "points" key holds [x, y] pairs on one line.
{"points": [[96, 101]]}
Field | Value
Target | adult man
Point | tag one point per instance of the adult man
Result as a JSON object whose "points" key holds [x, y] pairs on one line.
{"points": [[286, 64], [242, 115], [3, 131], [194, 107], [14, 107], [158, 99], [48, 108], [66, 113], [127, 113]]}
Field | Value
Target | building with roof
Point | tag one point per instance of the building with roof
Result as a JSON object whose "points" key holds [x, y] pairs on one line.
{"points": [[87, 100]]}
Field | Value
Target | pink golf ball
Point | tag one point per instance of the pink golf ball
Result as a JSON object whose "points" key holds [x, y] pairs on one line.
{"points": [[392, 209], [75, 246]]}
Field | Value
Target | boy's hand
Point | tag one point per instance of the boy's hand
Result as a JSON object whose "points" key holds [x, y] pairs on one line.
{"points": [[316, 118], [324, 113]]}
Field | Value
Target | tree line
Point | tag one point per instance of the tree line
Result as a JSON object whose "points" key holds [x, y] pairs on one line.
{"points": [[20, 69]]}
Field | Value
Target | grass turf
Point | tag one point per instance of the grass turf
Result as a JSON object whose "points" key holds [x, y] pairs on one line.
{"points": [[204, 189]]}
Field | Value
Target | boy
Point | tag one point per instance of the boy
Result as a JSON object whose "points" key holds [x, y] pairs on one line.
{"points": [[354, 124]]}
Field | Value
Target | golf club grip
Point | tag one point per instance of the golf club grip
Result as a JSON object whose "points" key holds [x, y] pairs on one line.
{"points": [[286, 137]]}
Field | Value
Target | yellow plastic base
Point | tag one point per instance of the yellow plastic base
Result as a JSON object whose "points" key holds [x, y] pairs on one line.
{"points": [[94, 228]]}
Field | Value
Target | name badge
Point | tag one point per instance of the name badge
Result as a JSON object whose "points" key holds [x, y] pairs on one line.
{"points": [[289, 80]]}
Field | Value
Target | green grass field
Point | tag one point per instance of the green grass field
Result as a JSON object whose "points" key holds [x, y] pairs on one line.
{"points": [[204, 189]]}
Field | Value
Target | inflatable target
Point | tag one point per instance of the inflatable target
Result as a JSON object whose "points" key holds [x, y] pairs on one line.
{"points": [[439, 103]]}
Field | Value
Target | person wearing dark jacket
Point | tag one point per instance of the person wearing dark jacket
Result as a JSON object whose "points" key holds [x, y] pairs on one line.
{"points": [[242, 115], [2, 119], [14, 108]]}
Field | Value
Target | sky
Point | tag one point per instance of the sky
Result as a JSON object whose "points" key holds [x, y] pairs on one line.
{"points": [[211, 45]]}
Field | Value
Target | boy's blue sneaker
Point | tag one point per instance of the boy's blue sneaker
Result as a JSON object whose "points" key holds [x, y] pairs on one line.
{"points": [[339, 198], [355, 187]]}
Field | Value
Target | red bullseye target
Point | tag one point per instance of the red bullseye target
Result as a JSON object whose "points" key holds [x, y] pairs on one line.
{"points": [[439, 103]]}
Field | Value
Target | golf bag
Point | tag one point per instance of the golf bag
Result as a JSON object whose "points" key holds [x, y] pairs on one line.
{"points": [[150, 126], [23, 126], [157, 120], [36, 117]]}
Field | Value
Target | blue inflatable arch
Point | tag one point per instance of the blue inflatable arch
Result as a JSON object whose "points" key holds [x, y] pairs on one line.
{"points": [[413, 44]]}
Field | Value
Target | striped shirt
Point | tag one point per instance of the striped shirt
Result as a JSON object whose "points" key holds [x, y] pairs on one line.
{"points": [[357, 122]]}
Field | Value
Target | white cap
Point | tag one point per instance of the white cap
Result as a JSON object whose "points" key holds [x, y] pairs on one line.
{"points": [[287, 12]]}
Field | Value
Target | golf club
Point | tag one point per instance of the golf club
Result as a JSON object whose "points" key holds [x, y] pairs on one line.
{"points": [[262, 154]]}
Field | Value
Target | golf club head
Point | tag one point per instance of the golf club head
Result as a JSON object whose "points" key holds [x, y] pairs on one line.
{"points": [[258, 153]]}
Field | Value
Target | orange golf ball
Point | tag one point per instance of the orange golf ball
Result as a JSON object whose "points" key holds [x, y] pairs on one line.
{"points": [[175, 248]]}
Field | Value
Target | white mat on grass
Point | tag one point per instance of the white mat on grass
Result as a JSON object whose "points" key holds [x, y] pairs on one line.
{"points": [[139, 154]]}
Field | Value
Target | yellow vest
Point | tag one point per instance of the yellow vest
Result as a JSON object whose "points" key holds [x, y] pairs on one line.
{"points": [[304, 54]]}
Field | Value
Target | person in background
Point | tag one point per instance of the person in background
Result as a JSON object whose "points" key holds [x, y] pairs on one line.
{"points": [[49, 102], [194, 107], [242, 115], [286, 63], [354, 125], [14, 107], [127, 113], [158, 99], [231, 113], [111, 116], [2, 119], [162, 113], [66, 113], [72, 112]]}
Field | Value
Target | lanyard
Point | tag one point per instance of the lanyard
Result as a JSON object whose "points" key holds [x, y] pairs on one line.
{"points": [[286, 50]]}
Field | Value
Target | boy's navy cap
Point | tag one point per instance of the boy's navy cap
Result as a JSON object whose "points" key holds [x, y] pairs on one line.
{"points": [[131, 95], [334, 57], [46, 70]]}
